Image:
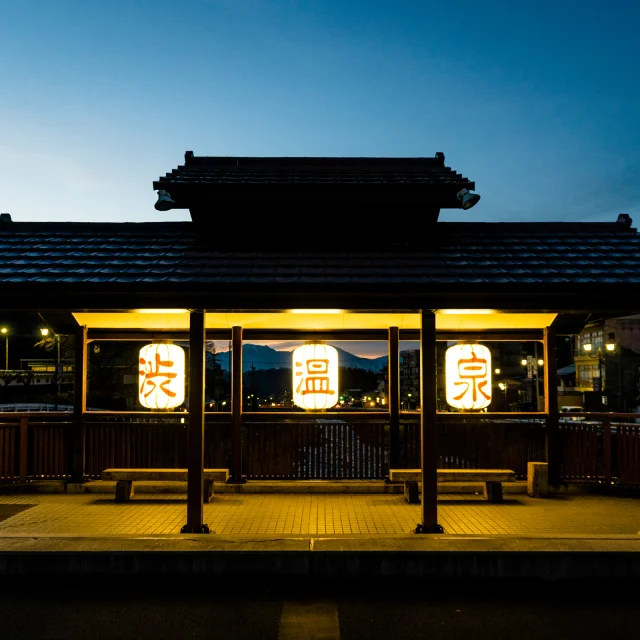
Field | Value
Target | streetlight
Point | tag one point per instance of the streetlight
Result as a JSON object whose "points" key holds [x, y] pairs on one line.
{"points": [[44, 332], [601, 354], [533, 363], [503, 386], [5, 332]]}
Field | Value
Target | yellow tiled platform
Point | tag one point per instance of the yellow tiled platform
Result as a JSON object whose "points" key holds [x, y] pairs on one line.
{"points": [[284, 514]]}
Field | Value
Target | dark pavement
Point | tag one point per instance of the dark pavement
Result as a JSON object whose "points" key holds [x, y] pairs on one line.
{"points": [[350, 535]]}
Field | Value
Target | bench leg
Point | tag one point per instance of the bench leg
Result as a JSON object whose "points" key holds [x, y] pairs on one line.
{"points": [[493, 491], [411, 492], [124, 490], [208, 490]]}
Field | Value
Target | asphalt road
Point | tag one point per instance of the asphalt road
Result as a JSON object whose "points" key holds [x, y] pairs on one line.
{"points": [[183, 608]]}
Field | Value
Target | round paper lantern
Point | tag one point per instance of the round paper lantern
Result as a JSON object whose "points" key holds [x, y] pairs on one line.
{"points": [[161, 376], [468, 376], [315, 376]]}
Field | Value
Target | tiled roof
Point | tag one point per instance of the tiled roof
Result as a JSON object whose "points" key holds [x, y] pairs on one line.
{"points": [[555, 263], [206, 181], [219, 170]]}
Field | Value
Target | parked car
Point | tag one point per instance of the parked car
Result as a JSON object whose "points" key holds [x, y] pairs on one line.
{"points": [[571, 409]]}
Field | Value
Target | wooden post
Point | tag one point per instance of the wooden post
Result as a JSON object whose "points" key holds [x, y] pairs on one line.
{"points": [[78, 435], [195, 445], [235, 472], [428, 424], [394, 397], [608, 453], [552, 440], [24, 448]]}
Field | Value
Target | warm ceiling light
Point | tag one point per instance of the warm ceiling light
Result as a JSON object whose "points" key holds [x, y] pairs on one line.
{"points": [[318, 311], [469, 312], [44, 332], [161, 311]]}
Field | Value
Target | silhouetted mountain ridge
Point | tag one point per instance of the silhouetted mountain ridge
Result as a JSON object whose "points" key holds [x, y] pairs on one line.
{"points": [[256, 357]]}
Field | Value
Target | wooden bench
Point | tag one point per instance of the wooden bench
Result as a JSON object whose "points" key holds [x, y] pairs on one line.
{"points": [[492, 479], [126, 477]]}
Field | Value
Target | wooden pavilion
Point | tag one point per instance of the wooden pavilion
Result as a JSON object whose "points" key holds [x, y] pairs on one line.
{"points": [[357, 236]]}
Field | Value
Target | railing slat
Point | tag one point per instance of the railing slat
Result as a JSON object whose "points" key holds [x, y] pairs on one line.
{"points": [[598, 449]]}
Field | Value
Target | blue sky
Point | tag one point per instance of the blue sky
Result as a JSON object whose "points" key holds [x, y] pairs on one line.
{"points": [[537, 102]]}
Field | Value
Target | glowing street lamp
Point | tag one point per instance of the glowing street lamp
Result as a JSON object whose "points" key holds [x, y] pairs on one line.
{"points": [[5, 332], [44, 332], [503, 387], [533, 364], [601, 354]]}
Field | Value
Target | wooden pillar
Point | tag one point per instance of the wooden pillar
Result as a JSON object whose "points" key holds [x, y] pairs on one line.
{"points": [[552, 441], [393, 386], [235, 472], [428, 425], [78, 437], [24, 449], [195, 440]]}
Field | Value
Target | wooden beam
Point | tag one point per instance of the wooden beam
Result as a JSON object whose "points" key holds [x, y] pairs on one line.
{"points": [[195, 440], [552, 436], [235, 474], [520, 335], [408, 335], [79, 405], [24, 449], [428, 425], [393, 386]]}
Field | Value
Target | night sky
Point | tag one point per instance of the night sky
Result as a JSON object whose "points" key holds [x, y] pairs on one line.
{"points": [[537, 102]]}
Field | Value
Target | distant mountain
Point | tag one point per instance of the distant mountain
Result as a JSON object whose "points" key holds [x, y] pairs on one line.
{"points": [[356, 362], [261, 357]]}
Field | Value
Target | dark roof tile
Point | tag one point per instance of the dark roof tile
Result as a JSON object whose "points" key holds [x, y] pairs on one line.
{"points": [[305, 170], [464, 255]]}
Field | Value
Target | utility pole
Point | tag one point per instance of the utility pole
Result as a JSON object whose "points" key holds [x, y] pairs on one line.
{"points": [[251, 386], [5, 333], [59, 367], [535, 364]]}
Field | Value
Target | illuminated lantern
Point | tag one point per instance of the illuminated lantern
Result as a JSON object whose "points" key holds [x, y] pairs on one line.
{"points": [[161, 376], [315, 376], [468, 373]]}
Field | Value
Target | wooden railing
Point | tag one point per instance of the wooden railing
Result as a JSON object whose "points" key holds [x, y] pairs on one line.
{"points": [[35, 446], [479, 441], [143, 440], [322, 449], [603, 448]]}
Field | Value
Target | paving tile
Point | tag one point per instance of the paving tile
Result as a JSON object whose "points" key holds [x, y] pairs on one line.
{"points": [[320, 514]]}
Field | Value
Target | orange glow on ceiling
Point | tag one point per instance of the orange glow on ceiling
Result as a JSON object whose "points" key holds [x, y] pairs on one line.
{"points": [[318, 321]]}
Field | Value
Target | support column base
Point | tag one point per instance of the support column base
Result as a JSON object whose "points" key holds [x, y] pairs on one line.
{"points": [[203, 528], [436, 528]]}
